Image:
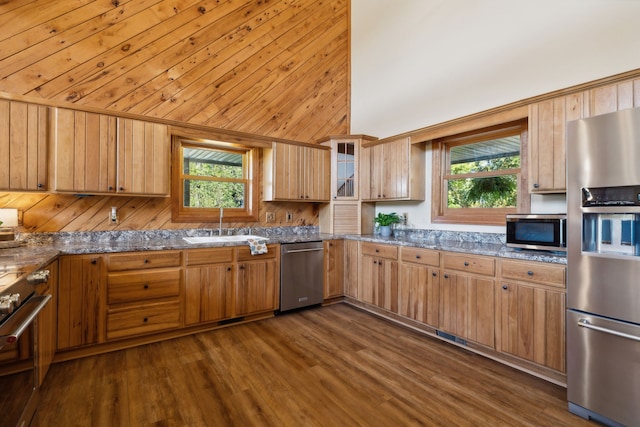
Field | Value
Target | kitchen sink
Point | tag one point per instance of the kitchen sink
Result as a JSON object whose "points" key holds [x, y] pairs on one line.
{"points": [[222, 239]]}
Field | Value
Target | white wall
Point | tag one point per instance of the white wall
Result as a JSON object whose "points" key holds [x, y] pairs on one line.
{"points": [[420, 62]]}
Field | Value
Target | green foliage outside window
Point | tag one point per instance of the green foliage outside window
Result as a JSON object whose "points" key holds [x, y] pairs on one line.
{"points": [[484, 192], [222, 185]]}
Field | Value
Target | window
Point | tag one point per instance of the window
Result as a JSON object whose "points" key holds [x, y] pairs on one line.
{"points": [[209, 176], [477, 176]]}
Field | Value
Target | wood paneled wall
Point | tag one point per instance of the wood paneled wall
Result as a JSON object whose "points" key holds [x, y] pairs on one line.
{"points": [[270, 67]]}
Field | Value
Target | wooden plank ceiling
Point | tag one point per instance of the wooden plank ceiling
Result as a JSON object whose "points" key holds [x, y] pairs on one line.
{"points": [[271, 67]]}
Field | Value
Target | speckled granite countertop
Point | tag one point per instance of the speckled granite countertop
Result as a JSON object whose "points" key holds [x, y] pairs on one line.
{"points": [[42, 248]]}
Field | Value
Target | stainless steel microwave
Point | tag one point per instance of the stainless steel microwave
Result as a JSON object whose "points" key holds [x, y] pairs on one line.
{"points": [[546, 232]]}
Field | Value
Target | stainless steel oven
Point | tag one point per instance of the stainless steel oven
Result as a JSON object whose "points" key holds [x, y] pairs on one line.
{"points": [[19, 307]]}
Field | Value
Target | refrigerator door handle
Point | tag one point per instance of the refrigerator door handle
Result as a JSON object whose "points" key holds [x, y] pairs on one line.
{"points": [[584, 323]]}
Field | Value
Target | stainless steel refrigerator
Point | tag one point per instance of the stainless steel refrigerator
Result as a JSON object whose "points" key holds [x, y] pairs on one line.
{"points": [[603, 268]]}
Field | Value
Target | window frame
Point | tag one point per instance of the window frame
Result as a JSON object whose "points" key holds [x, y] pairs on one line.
{"points": [[180, 213], [440, 212]]}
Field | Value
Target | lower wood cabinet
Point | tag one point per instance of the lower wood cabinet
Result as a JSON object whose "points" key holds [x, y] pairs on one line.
{"points": [[419, 285], [223, 283], [333, 268], [351, 268], [47, 331], [379, 275], [258, 281], [143, 293], [531, 313], [81, 282]]}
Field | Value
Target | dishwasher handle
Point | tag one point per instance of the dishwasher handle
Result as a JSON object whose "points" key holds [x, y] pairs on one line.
{"points": [[293, 251], [584, 323]]}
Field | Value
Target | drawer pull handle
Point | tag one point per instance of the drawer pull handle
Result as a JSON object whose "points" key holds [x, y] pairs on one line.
{"points": [[530, 273], [466, 264], [505, 287]]}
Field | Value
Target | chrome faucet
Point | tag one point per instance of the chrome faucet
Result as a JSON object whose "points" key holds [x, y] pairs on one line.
{"points": [[220, 226]]}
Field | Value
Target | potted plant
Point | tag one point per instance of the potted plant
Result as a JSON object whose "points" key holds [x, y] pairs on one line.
{"points": [[385, 221]]}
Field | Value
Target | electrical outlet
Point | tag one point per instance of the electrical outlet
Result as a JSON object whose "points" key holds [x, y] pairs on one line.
{"points": [[113, 216], [289, 217], [271, 217]]}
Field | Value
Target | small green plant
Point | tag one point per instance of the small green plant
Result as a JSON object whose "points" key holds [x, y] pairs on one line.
{"points": [[387, 219]]}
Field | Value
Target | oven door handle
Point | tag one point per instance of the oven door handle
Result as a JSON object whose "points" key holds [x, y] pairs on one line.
{"points": [[586, 324], [20, 320]]}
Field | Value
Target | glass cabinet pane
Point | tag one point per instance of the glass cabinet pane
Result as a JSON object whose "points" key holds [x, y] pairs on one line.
{"points": [[345, 169]]}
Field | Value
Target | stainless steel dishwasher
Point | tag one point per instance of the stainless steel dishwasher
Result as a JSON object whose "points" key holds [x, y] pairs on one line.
{"points": [[301, 274]]}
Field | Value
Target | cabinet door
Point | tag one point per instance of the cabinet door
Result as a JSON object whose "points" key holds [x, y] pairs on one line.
{"points": [[84, 151], [418, 290], [47, 323], [351, 268], [209, 293], [547, 157], [380, 282], [467, 307], [80, 306], [532, 324], [23, 142], [316, 174], [333, 268], [257, 287], [144, 157]]}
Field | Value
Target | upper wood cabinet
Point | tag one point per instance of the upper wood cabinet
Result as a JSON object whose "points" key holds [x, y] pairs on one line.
{"points": [[97, 153], [23, 143], [392, 171], [547, 158], [296, 173]]}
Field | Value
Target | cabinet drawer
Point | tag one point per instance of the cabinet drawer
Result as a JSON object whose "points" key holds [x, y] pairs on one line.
{"points": [[379, 250], [138, 260], [209, 256], [546, 274], [420, 256], [143, 319], [470, 263], [243, 253], [142, 285]]}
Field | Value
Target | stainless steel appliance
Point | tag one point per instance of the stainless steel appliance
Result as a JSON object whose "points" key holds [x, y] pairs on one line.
{"points": [[603, 268], [19, 306], [301, 275], [546, 232]]}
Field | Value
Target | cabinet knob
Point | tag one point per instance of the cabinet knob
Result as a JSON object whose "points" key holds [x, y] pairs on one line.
{"points": [[377, 250], [466, 263], [94, 261], [228, 268], [145, 320], [536, 185], [505, 287], [242, 267], [417, 256], [110, 188], [530, 273], [40, 185], [434, 274], [146, 286], [375, 262], [121, 188], [446, 276], [146, 261]]}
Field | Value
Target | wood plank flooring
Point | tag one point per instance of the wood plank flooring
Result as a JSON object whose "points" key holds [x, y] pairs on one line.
{"points": [[330, 366]]}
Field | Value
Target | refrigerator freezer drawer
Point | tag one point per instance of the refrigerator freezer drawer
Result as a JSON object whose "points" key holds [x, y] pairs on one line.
{"points": [[603, 367]]}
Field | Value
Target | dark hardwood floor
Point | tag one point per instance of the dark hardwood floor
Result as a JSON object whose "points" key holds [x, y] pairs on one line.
{"points": [[330, 366]]}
